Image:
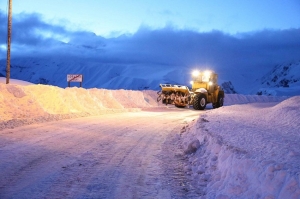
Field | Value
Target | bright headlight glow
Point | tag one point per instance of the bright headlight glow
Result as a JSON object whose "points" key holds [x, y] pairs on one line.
{"points": [[210, 83], [206, 76], [191, 82], [207, 73], [195, 73]]}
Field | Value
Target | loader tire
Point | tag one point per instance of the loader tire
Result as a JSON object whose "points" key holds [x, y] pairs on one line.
{"points": [[200, 101], [220, 102]]}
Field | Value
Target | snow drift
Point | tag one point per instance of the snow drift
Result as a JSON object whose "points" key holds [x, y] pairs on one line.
{"points": [[247, 151], [38, 103]]}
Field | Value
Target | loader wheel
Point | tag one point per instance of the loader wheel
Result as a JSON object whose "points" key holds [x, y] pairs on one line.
{"points": [[199, 102], [219, 103], [220, 100], [215, 105]]}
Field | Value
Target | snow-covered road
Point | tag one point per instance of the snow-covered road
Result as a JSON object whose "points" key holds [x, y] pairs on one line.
{"points": [[122, 155]]}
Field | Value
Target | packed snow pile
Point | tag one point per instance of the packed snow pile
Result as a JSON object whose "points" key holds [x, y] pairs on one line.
{"points": [[38, 103], [232, 99], [15, 81], [247, 151]]}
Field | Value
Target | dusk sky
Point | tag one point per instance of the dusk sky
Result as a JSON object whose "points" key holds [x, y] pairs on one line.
{"points": [[114, 17], [217, 33]]}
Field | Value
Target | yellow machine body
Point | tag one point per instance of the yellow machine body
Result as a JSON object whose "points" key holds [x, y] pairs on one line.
{"points": [[205, 89]]}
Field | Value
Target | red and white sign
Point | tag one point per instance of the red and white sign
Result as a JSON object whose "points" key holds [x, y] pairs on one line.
{"points": [[74, 78]]}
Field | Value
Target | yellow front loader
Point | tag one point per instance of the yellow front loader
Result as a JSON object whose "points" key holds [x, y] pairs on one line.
{"points": [[205, 90]]}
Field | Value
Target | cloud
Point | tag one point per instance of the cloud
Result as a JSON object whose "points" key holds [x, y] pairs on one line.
{"points": [[167, 46], [187, 48], [31, 35]]}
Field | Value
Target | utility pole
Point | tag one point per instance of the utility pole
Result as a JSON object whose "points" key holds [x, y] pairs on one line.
{"points": [[8, 41]]}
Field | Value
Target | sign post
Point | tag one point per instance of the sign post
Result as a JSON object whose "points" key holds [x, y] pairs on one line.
{"points": [[74, 78]]}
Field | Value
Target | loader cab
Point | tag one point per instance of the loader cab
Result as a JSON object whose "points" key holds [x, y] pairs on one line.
{"points": [[206, 80]]}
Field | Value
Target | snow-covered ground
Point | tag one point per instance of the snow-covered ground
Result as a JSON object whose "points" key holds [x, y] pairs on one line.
{"points": [[15, 82], [247, 149], [29, 104]]}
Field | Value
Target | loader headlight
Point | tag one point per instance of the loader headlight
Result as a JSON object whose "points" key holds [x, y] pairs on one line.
{"points": [[207, 73], [191, 82], [210, 83], [195, 73], [206, 76]]}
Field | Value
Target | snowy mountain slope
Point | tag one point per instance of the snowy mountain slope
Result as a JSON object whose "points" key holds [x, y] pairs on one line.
{"points": [[284, 79], [228, 87], [53, 71]]}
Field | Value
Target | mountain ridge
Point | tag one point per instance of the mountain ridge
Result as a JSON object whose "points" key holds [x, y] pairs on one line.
{"points": [[283, 79]]}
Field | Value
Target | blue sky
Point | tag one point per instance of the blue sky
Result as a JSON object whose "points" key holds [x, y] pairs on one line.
{"points": [[115, 17]]}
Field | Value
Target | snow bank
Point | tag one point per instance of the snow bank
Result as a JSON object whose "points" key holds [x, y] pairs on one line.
{"points": [[25, 103], [15, 81], [286, 113], [38, 103], [231, 99], [247, 151]]}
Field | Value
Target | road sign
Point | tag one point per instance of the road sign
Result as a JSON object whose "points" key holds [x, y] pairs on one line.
{"points": [[74, 78]]}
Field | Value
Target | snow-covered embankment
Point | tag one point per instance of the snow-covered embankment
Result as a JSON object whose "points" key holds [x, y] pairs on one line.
{"points": [[39, 103], [246, 151]]}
